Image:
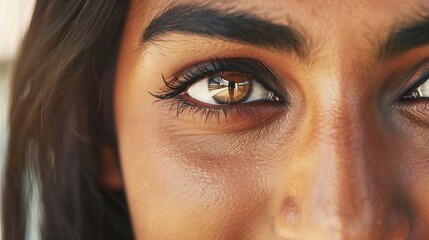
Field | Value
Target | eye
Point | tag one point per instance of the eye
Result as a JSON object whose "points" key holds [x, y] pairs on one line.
{"points": [[215, 93], [421, 91], [228, 89]]}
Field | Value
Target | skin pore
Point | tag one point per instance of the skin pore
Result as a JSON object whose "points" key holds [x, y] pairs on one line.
{"points": [[340, 152]]}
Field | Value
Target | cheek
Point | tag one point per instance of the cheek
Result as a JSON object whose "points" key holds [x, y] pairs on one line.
{"points": [[179, 188], [414, 175], [182, 189]]}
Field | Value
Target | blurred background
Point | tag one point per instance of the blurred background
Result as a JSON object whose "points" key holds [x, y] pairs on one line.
{"points": [[15, 16]]}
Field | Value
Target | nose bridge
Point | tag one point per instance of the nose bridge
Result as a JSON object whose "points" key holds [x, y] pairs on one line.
{"points": [[350, 196], [345, 199]]}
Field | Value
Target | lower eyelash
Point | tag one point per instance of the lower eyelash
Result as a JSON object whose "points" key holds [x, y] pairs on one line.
{"points": [[182, 107]]}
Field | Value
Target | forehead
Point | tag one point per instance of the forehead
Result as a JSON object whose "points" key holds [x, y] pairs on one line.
{"points": [[300, 10]]}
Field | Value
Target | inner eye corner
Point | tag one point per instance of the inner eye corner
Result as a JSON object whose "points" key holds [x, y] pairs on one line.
{"points": [[419, 92]]}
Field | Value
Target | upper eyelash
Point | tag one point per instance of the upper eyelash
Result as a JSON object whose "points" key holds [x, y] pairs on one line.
{"points": [[415, 85], [182, 81]]}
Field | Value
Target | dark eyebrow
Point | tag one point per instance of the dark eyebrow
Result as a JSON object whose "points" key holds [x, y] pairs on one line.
{"points": [[225, 24], [406, 38]]}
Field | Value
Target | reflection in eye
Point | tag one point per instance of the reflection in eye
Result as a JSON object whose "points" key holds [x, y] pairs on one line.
{"points": [[229, 88], [420, 92]]}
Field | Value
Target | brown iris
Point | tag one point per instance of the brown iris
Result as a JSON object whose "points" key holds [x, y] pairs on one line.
{"points": [[229, 88]]}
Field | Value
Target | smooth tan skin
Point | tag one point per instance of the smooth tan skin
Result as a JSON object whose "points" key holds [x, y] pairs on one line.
{"points": [[346, 161]]}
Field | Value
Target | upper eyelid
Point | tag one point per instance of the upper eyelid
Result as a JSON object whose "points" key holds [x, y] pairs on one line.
{"points": [[417, 77]]}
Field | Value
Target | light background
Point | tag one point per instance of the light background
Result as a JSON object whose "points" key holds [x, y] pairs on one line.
{"points": [[14, 18]]}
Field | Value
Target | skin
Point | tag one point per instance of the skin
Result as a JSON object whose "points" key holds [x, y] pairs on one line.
{"points": [[347, 160]]}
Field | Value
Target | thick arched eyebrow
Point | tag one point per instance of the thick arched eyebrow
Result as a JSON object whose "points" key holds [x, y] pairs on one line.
{"points": [[410, 36], [237, 26]]}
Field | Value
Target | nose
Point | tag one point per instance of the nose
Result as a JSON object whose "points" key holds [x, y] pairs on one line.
{"points": [[343, 182]]}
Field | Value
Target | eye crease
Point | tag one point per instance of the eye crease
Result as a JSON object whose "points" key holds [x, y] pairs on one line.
{"points": [[229, 88]]}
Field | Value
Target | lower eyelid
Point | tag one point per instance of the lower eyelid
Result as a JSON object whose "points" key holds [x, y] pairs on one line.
{"points": [[235, 118], [185, 98]]}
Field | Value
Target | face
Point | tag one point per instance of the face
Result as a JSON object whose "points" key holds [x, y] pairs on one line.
{"points": [[275, 119]]}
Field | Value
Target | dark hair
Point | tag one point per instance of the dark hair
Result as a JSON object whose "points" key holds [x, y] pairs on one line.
{"points": [[61, 112]]}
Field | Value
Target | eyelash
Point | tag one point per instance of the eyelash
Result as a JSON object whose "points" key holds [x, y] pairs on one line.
{"points": [[176, 88], [180, 83], [422, 80]]}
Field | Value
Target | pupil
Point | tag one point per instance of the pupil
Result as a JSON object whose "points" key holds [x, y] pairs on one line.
{"points": [[229, 88]]}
